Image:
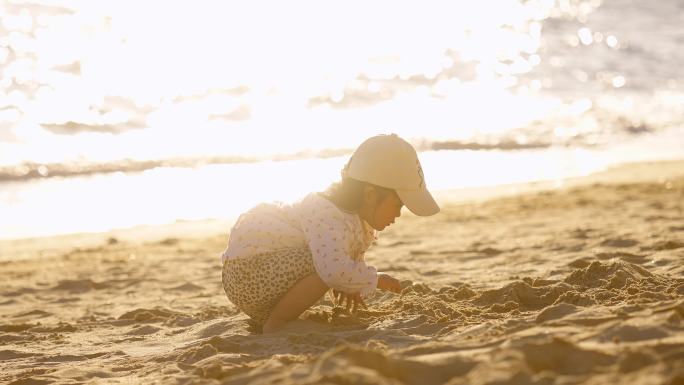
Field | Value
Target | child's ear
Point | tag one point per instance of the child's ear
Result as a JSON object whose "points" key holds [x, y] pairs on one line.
{"points": [[369, 195]]}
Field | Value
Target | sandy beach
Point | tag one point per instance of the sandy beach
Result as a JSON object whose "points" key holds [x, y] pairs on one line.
{"points": [[573, 283]]}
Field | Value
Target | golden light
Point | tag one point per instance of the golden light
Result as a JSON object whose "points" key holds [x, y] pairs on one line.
{"points": [[113, 84]]}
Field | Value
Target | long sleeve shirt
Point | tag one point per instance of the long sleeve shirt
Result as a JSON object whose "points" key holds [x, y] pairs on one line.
{"points": [[337, 239]]}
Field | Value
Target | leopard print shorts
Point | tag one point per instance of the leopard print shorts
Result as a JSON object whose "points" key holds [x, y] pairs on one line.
{"points": [[256, 283]]}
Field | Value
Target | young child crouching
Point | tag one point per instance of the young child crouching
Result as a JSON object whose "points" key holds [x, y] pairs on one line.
{"points": [[281, 259]]}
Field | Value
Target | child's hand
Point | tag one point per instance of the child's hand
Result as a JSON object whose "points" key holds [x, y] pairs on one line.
{"points": [[387, 282], [352, 300]]}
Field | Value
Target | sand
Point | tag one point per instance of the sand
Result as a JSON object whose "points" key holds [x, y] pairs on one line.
{"points": [[580, 284]]}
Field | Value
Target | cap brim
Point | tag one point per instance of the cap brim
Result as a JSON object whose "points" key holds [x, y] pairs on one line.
{"points": [[420, 202]]}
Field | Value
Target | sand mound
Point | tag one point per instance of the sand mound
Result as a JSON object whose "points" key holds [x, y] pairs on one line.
{"points": [[600, 275], [607, 284]]}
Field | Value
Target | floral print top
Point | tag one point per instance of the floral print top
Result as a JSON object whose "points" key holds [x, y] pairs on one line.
{"points": [[338, 240]]}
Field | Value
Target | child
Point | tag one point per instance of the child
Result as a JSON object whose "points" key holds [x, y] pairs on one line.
{"points": [[281, 259]]}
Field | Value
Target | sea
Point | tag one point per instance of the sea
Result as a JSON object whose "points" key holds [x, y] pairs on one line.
{"points": [[126, 113]]}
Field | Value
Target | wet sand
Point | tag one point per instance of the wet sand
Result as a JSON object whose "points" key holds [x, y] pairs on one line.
{"points": [[581, 284]]}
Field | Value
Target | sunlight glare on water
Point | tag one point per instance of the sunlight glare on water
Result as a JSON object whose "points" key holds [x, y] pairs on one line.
{"points": [[207, 78]]}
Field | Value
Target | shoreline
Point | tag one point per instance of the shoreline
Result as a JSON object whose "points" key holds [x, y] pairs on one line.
{"points": [[638, 172], [633, 172]]}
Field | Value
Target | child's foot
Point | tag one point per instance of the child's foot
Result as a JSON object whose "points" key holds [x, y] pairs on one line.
{"points": [[273, 325]]}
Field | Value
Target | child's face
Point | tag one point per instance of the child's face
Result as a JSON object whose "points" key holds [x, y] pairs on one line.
{"points": [[384, 211]]}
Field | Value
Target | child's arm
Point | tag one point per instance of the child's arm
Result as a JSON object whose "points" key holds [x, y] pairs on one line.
{"points": [[329, 238]]}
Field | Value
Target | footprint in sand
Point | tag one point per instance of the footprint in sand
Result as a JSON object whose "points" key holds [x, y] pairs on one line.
{"points": [[619, 242], [61, 327], [79, 285], [631, 333], [33, 314], [187, 287], [14, 354], [148, 315], [560, 356], [143, 330], [581, 233], [15, 328], [667, 245], [628, 257]]}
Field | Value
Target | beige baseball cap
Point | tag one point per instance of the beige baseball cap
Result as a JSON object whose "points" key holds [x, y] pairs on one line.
{"points": [[390, 161]]}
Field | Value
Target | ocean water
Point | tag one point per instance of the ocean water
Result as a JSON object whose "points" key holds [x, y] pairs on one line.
{"points": [[118, 114]]}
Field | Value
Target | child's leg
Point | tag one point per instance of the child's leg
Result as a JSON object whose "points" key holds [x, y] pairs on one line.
{"points": [[300, 297]]}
